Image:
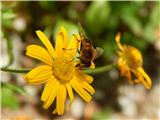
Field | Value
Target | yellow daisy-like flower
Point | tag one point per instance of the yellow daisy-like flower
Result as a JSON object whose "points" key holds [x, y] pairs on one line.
{"points": [[130, 63], [59, 72]]}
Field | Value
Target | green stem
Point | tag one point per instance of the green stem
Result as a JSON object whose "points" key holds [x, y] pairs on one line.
{"points": [[15, 70], [100, 69], [88, 71], [9, 50], [14, 87]]}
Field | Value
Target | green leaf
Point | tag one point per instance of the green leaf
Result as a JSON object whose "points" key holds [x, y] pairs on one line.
{"points": [[50, 5], [70, 27], [14, 88], [9, 49], [153, 25], [109, 46], [128, 14], [104, 114], [155, 15], [97, 16], [149, 33], [8, 98], [7, 17], [129, 39]]}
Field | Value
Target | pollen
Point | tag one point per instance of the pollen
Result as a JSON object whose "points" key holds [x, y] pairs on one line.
{"points": [[62, 69]]}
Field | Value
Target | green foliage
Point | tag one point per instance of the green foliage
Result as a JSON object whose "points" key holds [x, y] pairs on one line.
{"points": [[8, 98], [7, 15], [103, 114], [129, 15], [153, 25], [70, 27], [9, 49], [14, 88], [109, 41], [49, 5], [97, 16], [7, 18], [139, 43], [138, 21]]}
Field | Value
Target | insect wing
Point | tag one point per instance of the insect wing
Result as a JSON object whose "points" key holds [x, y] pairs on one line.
{"points": [[81, 31], [98, 52]]}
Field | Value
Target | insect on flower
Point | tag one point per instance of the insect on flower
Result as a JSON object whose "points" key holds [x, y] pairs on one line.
{"points": [[58, 72], [87, 51]]}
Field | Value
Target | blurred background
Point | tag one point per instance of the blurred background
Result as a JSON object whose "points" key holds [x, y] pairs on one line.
{"points": [[115, 98]]}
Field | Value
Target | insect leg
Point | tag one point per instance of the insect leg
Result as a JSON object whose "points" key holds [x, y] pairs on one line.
{"points": [[66, 49], [78, 42], [76, 38]]}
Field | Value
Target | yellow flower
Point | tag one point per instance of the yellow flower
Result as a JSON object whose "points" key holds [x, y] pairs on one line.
{"points": [[130, 63], [59, 72]]}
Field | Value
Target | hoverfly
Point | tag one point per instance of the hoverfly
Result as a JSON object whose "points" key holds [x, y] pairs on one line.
{"points": [[87, 51]]}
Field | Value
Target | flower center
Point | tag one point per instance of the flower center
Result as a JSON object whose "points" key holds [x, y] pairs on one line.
{"points": [[132, 56], [63, 69]]}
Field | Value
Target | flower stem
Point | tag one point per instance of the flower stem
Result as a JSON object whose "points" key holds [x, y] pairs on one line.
{"points": [[88, 71], [22, 70], [100, 69], [9, 49]]}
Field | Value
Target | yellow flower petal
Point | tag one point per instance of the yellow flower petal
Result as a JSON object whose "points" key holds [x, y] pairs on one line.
{"points": [[39, 53], [34, 72], [61, 42], [78, 88], [147, 80], [123, 66], [88, 79], [72, 48], [48, 89], [73, 44], [65, 37], [128, 76], [55, 88], [88, 87], [81, 76], [39, 79], [61, 98], [70, 92], [139, 78], [117, 38], [54, 111], [46, 42]]}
